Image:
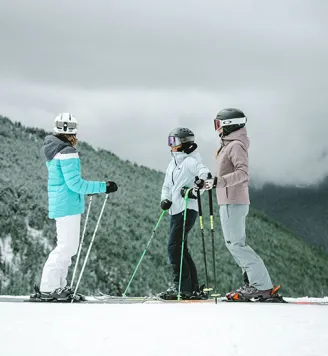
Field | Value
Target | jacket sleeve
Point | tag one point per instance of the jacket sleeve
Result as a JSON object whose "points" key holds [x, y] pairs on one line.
{"points": [[239, 159], [167, 186], [197, 168], [70, 165]]}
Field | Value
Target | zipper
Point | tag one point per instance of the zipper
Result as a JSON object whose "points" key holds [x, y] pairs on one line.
{"points": [[174, 169], [170, 210]]}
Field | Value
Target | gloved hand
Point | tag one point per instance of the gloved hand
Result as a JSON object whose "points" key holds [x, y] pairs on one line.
{"points": [[211, 183], [166, 204], [192, 194], [111, 187], [199, 183]]}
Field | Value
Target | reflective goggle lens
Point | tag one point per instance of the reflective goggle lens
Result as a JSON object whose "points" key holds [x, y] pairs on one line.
{"points": [[174, 141], [217, 124], [66, 125]]}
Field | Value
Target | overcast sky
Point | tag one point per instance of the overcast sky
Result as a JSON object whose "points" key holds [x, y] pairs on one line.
{"points": [[133, 70]]}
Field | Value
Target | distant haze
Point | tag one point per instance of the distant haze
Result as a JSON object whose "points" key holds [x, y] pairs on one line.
{"points": [[133, 70]]}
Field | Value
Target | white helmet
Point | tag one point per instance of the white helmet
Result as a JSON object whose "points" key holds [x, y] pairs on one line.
{"points": [[66, 124]]}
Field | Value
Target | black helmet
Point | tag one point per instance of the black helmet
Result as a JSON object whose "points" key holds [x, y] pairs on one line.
{"points": [[184, 137], [230, 120]]}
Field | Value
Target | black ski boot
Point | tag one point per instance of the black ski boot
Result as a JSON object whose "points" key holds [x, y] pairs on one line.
{"points": [[172, 294], [58, 295], [200, 294]]}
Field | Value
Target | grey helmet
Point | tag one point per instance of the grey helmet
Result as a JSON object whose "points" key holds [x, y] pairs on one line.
{"points": [[184, 137], [230, 120]]}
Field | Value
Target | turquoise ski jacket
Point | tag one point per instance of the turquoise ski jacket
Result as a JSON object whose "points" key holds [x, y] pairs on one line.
{"points": [[66, 188]]}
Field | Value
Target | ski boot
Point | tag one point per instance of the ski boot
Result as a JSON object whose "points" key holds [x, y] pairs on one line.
{"points": [[58, 295], [200, 294], [252, 294], [172, 294]]}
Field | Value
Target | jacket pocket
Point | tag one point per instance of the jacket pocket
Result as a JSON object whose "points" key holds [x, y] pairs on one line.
{"points": [[226, 192]]}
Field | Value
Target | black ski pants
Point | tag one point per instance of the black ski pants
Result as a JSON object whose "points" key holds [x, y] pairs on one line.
{"points": [[189, 279]]}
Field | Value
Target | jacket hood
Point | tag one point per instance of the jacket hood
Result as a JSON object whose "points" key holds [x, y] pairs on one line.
{"points": [[52, 145], [239, 135]]}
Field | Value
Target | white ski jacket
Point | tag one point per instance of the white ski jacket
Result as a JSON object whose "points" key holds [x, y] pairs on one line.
{"points": [[180, 173]]}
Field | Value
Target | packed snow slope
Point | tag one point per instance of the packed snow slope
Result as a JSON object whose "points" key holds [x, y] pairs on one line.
{"points": [[227, 329]]}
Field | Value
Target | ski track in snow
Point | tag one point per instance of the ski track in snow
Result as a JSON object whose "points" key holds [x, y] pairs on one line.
{"points": [[33, 329]]}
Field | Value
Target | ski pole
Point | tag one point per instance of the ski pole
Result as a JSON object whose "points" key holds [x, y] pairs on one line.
{"points": [[89, 249], [82, 240], [200, 211], [143, 254], [210, 196], [183, 239]]}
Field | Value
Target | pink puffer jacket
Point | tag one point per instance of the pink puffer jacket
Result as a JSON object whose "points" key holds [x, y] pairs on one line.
{"points": [[232, 169]]}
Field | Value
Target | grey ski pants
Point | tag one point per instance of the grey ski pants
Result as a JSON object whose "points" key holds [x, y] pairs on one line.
{"points": [[233, 222]]}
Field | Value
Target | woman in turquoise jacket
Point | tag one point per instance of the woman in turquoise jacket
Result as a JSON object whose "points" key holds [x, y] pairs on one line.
{"points": [[66, 190]]}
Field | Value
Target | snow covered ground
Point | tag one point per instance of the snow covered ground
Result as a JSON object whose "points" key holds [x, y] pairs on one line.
{"points": [[236, 329]]}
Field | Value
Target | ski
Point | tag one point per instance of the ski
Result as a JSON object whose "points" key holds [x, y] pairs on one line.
{"points": [[103, 299], [153, 299], [281, 300], [88, 300]]}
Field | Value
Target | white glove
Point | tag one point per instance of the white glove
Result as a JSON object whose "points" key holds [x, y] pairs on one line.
{"points": [[210, 183]]}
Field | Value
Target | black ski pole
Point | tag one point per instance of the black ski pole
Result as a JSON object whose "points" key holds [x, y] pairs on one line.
{"points": [[210, 197], [200, 212]]}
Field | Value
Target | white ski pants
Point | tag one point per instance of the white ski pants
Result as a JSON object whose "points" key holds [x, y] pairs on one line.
{"points": [[233, 222], [55, 270]]}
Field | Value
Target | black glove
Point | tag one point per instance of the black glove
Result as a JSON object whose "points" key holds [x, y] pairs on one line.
{"points": [[111, 187], [192, 194], [199, 183], [166, 204]]}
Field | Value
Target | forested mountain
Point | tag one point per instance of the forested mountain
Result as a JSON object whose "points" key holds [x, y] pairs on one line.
{"points": [[27, 235], [303, 210]]}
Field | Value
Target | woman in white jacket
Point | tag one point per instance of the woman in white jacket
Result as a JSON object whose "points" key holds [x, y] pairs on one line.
{"points": [[185, 165]]}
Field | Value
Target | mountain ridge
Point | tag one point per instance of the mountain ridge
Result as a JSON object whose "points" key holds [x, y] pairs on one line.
{"points": [[128, 221]]}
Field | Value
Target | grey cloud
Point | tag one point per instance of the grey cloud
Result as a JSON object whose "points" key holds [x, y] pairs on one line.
{"points": [[133, 70], [207, 45]]}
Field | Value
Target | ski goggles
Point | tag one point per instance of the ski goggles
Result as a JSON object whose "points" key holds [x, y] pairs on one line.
{"points": [[176, 141], [66, 126], [218, 124]]}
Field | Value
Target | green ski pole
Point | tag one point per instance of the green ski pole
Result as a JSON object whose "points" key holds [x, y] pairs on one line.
{"points": [[143, 254], [183, 239]]}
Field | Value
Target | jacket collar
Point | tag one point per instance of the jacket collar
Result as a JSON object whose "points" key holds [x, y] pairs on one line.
{"points": [[178, 157]]}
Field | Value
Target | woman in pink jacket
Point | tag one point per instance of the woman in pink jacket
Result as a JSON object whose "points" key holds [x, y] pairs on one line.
{"points": [[231, 183]]}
